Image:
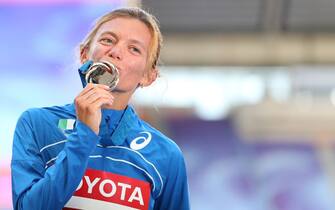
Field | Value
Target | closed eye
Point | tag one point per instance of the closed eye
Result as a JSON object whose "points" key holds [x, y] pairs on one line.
{"points": [[107, 41], [135, 50]]}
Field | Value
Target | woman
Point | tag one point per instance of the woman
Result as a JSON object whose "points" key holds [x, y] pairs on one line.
{"points": [[97, 153]]}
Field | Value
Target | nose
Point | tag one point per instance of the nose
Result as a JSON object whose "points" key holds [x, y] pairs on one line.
{"points": [[115, 52]]}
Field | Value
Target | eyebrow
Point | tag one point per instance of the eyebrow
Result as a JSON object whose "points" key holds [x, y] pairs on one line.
{"points": [[131, 40], [108, 33]]}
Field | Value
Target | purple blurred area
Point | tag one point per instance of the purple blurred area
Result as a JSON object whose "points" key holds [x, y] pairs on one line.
{"points": [[226, 172], [39, 50], [40, 39]]}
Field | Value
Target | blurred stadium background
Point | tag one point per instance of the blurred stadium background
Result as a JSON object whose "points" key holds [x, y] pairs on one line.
{"points": [[247, 89]]}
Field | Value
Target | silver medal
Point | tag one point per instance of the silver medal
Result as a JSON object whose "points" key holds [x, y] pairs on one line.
{"points": [[103, 72]]}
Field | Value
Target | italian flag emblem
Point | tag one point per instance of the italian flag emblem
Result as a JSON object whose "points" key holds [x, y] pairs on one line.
{"points": [[66, 124]]}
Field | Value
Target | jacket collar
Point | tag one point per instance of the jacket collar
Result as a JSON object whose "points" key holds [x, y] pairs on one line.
{"points": [[128, 123]]}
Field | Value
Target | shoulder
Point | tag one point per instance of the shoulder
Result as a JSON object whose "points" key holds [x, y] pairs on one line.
{"points": [[37, 127], [164, 145], [47, 113], [41, 121], [165, 154]]}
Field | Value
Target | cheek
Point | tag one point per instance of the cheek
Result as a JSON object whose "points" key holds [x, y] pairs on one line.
{"points": [[96, 53], [137, 66], [133, 73]]}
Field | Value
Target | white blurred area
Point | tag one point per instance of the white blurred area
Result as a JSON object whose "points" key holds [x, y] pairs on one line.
{"points": [[211, 92]]}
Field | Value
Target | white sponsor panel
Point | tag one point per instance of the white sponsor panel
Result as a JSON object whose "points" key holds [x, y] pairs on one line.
{"points": [[105, 190], [77, 202]]}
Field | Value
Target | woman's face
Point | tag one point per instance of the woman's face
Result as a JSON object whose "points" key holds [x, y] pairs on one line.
{"points": [[125, 42]]}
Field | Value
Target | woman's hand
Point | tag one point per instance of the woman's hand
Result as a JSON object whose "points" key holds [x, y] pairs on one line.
{"points": [[89, 103]]}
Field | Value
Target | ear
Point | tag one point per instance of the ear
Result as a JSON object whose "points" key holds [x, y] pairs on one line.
{"points": [[83, 54], [149, 77]]}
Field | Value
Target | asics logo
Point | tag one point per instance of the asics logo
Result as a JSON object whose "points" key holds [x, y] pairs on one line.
{"points": [[141, 141]]}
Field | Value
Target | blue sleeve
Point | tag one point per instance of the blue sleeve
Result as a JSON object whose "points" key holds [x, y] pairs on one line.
{"points": [[175, 194], [38, 188]]}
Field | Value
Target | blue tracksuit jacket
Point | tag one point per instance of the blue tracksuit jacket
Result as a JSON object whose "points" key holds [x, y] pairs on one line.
{"points": [[60, 163]]}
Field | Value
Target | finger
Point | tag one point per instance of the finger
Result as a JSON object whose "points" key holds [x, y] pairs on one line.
{"points": [[94, 103], [96, 91], [99, 102], [106, 87], [94, 97], [90, 86]]}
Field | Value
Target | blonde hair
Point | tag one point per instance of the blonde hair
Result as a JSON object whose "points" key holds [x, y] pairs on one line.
{"points": [[131, 12]]}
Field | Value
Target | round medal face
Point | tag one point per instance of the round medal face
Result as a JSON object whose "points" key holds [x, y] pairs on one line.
{"points": [[103, 72]]}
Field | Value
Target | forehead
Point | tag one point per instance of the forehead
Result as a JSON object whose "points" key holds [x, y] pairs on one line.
{"points": [[127, 29]]}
